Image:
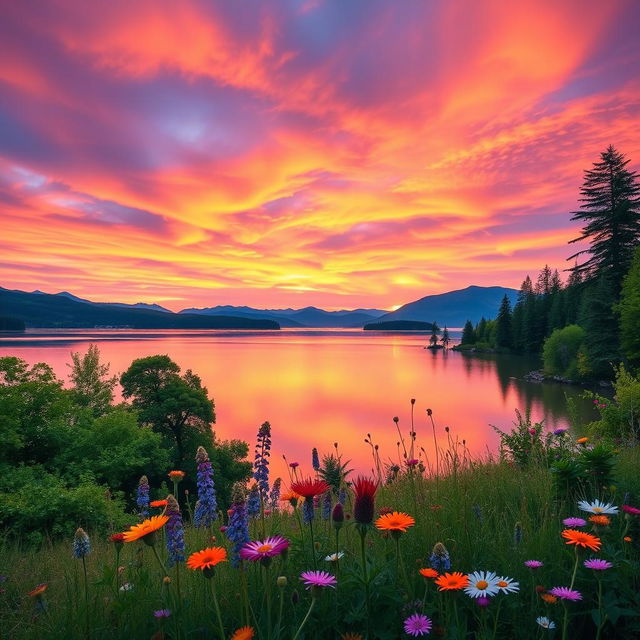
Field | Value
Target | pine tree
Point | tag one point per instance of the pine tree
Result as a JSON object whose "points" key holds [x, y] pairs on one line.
{"points": [[435, 330], [504, 329], [629, 309], [446, 338], [610, 210], [468, 334]]}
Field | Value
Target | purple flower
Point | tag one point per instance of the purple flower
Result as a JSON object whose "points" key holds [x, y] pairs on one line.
{"points": [[564, 593], [307, 510], [483, 601], [560, 432], [162, 613], [174, 532], [315, 459], [274, 496], [533, 564], [574, 522], [264, 549], [417, 625], [261, 462], [253, 502], [207, 506], [326, 505], [598, 564], [238, 529], [142, 499], [318, 579]]}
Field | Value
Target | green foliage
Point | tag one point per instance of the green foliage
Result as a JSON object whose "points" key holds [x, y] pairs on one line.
{"points": [[560, 351], [629, 311], [504, 327], [91, 386], [334, 472], [468, 334]]}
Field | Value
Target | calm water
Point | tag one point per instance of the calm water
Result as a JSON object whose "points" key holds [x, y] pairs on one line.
{"points": [[317, 387]]}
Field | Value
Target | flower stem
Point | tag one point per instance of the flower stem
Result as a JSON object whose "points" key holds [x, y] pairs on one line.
{"points": [[601, 621], [313, 545], [575, 569], [313, 602], [86, 595], [217, 608], [365, 577]]}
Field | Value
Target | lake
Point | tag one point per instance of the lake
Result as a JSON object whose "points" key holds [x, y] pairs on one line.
{"points": [[317, 387]]}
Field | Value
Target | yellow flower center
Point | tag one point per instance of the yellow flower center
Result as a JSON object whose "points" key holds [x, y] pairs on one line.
{"points": [[502, 583], [597, 510], [482, 584], [264, 548]]}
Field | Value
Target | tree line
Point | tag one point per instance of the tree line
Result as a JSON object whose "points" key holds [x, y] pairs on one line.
{"points": [[587, 326]]}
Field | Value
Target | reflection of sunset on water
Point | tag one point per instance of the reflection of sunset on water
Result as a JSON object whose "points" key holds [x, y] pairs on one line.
{"points": [[317, 388]]}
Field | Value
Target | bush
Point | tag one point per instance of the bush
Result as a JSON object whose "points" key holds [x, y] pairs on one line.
{"points": [[560, 351]]}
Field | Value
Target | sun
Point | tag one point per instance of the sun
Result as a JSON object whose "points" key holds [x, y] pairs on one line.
{"points": [[395, 307]]}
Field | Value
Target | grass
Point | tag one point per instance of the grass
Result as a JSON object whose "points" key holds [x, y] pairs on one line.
{"points": [[489, 515]]}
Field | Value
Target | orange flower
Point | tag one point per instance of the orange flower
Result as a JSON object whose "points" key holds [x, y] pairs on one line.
{"points": [[628, 539], [148, 527], [428, 573], [395, 521], [176, 475], [243, 633], [207, 558], [549, 598], [350, 635], [582, 539], [39, 590], [158, 503], [582, 440], [600, 520], [452, 581], [288, 497]]}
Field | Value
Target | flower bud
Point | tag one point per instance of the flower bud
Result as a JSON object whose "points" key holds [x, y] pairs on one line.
{"points": [[281, 581]]}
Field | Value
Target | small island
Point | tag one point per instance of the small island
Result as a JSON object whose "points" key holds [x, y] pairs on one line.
{"points": [[398, 325]]}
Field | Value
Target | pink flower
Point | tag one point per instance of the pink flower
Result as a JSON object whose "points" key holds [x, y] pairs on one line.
{"points": [[483, 601], [293, 465], [412, 463], [597, 564], [417, 625], [574, 522], [318, 579], [564, 593], [261, 549], [533, 564], [532, 432], [632, 511]]}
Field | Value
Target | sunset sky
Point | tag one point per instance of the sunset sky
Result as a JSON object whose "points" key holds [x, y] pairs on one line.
{"points": [[288, 153]]}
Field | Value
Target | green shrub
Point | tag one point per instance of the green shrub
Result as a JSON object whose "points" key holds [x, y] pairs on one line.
{"points": [[560, 351]]}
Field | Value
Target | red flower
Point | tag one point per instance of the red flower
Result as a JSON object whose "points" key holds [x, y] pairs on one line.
{"points": [[117, 538], [632, 511], [308, 488], [364, 507]]}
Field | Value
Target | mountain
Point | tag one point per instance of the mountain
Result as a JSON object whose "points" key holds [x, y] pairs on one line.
{"points": [[454, 308], [39, 309], [399, 325], [137, 305], [306, 317]]}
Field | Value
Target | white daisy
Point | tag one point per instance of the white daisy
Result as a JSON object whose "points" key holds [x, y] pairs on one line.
{"points": [[127, 586], [507, 585], [545, 623], [482, 583], [334, 557], [597, 507]]}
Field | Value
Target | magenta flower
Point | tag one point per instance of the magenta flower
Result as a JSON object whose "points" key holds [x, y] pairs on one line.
{"points": [[318, 579], [564, 593], [162, 613], [412, 463], [574, 522], [261, 549], [533, 564], [294, 465], [632, 511], [483, 601], [598, 564], [417, 625]]}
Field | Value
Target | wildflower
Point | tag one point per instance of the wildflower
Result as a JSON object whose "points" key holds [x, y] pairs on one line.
{"points": [[81, 544], [564, 593], [143, 497], [582, 440], [560, 432], [395, 522], [238, 529], [243, 633], [597, 507], [581, 539], [337, 516], [428, 573], [158, 503], [632, 511], [334, 557], [308, 488], [517, 533], [175, 532], [294, 465], [482, 583], [176, 476], [439, 558], [291, 498], [318, 579], [207, 558], [412, 462], [253, 502], [545, 623], [549, 598], [507, 585], [600, 521], [452, 581], [533, 564], [264, 550], [483, 601], [38, 591], [162, 613], [274, 496], [417, 625], [342, 496], [315, 459], [261, 463], [574, 522], [628, 539], [326, 505], [127, 586], [207, 505], [146, 530], [365, 493], [166, 580], [597, 564]]}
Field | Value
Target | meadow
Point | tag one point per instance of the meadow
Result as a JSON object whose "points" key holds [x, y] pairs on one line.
{"points": [[468, 549]]}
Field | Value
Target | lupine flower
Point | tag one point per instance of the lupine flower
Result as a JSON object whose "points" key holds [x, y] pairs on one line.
{"points": [[308, 512], [482, 583], [253, 502], [439, 558], [564, 593], [142, 499], [342, 496], [145, 530], [452, 581], [365, 493], [81, 544], [533, 564], [162, 613], [597, 564], [274, 496], [318, 579], [238, 528], [507, 585], [175, 532], [632, 511], [261, 462], [207, 505], [326, 505], [574, 522], [545, 623], [315, 459], [581, 539], [597, 507], [417, 625], [264, 549]]}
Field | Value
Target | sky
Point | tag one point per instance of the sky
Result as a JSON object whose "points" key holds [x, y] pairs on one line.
{"points": [[281, 153]]}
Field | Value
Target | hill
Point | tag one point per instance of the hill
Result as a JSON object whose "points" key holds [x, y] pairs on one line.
{"points": [[398, 325], [454, 308], [45, 310]]}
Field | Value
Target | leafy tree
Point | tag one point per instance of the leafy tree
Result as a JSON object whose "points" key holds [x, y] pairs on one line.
{"points": [[629, 310], [610, 210], [504, 329], [468, 334], [91, 386], [446, 338], [171, 404], [560, 352]]}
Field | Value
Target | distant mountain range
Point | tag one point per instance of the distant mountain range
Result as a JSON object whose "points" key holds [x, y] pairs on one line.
{"points": [[455, 307], [38, 309]]}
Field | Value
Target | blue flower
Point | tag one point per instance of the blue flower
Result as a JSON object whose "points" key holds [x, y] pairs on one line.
{"points": [[326, 505], [207, 506], [274, 497], [315, 460], [440, 560], [253, 502], [81, 544], [261, 463], [174, 532], [238, 531], [342, 496], [143, 497], [307, 510]]}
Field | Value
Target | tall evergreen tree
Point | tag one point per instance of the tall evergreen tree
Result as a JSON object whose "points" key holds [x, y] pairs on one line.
{"points": [[610, 210], [435, 330], [468, 334], [629, 309], [446, 338], [504, 329]]}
